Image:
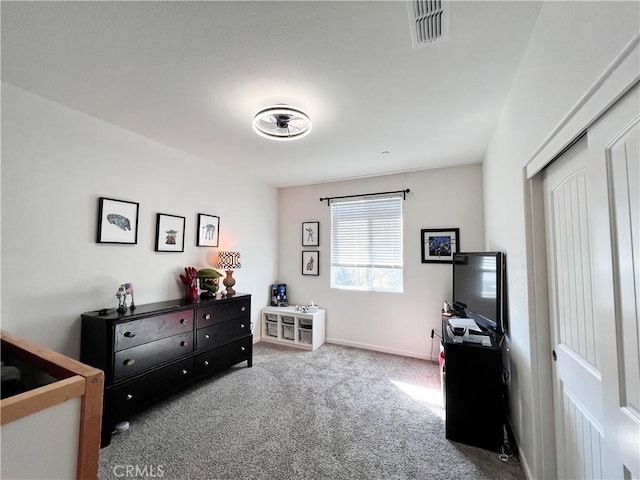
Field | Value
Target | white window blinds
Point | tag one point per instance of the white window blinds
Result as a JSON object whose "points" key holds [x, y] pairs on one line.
{"points": [[366, 244]]}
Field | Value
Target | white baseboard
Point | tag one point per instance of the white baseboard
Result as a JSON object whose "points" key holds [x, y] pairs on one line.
{"points": [[377, 348], [523, 459], [525, 465]]}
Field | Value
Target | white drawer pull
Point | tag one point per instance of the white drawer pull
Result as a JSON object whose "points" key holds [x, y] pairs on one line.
{"points": [[207, 336], [243, 309], [183, 321], [242, 325], [129, 334], [207, 316], [242, 348], [184, 372], [129, 396], [184, 344], [129, 361], [206, 363]]}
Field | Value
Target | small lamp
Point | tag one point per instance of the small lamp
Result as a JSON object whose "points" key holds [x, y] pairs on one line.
{"points": [[229, 261]]}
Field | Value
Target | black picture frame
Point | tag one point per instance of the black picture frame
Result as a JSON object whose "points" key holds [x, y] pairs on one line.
{"points": [[439, 244], [117, 221], [310, 234], [208, 234], [169, 233], [311, 262]]}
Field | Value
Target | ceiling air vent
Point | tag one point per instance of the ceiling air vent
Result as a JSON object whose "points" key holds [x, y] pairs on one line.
{"points": [[429, 21]]}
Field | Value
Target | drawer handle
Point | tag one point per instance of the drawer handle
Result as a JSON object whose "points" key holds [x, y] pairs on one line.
{"points": [[207, 336], [184, 343], [129, 334], [207, 316], [129, 396], [206, 363], [242, 325], [243, 309], [184, 372], [183, 321], [129, 361], [242, 349]]}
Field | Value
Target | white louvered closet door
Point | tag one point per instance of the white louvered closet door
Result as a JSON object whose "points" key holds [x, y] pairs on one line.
{"points": [[591, 213]]}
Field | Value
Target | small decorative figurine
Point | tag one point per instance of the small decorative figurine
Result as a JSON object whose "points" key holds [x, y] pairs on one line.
{"points": [[128, 287], [208, 282], [124, 290], [190, 279], [121, 294]]}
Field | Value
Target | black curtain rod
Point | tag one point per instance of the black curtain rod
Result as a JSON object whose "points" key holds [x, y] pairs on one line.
{"points": [[403, 192]]}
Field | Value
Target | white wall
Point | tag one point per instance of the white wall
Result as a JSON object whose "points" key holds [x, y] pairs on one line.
{"points": [[398, 323], [56, 162], [571, 45]]}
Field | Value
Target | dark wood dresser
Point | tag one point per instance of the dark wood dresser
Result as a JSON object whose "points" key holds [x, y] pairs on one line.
{"points": [[161, 347]]}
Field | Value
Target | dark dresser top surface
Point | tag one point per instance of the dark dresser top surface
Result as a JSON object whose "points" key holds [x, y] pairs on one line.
{"points": [[161, 307]]}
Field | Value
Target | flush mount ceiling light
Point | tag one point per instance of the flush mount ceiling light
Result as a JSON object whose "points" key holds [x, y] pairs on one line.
{"points": [[282, 122]]}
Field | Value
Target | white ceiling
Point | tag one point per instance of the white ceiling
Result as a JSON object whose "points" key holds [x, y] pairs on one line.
{"points": [[191, 75]]}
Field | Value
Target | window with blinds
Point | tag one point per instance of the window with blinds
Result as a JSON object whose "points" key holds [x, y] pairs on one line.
{"points": [[366, 244]]}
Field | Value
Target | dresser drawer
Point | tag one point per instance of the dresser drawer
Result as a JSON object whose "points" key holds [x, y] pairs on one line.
{"points": [[222, 333], [137, 359], [212, 314], [223, 357], [148, 329], [137, 393]]}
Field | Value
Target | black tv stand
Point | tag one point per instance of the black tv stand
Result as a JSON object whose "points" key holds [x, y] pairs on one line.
{"points": [[474, 391]]}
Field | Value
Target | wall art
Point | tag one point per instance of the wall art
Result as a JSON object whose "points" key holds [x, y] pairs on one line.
{"points": [[279, 295], [169, 233], [208, 230], [310, 263], [117, 221], [310, 234], [439, 244]]}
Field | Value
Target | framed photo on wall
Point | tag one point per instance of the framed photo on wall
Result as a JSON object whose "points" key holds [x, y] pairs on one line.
{"points": [[117, 221], [439, 244], [208, 230], [310, 234], [310, 261], [169, 233]]}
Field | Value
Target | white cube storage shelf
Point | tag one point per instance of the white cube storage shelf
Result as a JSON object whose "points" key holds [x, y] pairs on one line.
{"points": [[286, 326]]}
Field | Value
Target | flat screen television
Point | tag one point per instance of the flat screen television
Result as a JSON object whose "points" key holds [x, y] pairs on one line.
{"points": [[479, 288]]}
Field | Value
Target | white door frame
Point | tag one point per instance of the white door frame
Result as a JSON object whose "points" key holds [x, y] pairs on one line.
{"points": [[612, 84]]}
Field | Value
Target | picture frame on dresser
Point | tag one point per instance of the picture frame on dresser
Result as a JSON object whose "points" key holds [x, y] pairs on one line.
{"points": [[439, 244], [169, 233], [117, 221], [310, 234], [310, 262], [208, 230]]}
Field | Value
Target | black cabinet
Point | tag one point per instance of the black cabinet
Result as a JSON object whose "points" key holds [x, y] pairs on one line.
{"points": [[161, 347], [474, 392]]}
